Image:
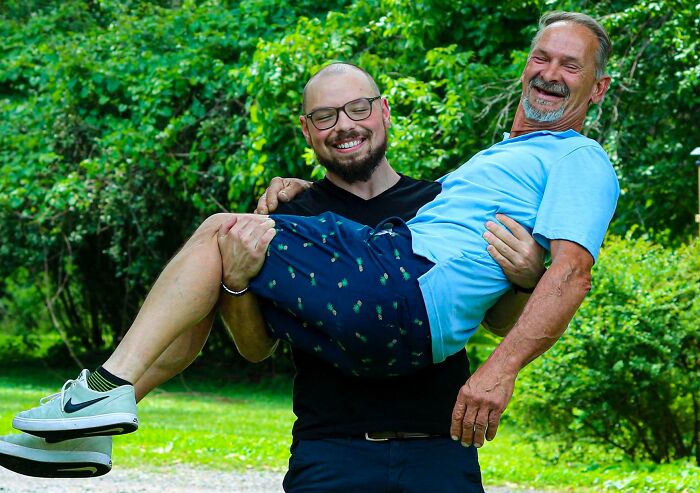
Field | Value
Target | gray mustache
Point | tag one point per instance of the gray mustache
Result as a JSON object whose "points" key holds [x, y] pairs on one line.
{"points": [[557, 88]]}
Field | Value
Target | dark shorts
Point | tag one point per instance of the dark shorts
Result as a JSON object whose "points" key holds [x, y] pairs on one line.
{"points": [[348, 293]]}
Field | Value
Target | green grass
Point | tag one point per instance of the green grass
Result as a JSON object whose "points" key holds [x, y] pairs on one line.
{"points": [[233, 426]]}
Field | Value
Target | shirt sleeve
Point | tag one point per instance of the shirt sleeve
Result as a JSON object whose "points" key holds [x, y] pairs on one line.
{"points": [[579, 200]]}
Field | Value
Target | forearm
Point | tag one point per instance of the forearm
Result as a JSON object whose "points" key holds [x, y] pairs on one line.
{"points": [[244, 321], [545, 316], [502, 316]]}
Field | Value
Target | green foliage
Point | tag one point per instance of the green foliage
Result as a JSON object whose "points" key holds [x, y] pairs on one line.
{"points": [[127, 122], [627, 372]]}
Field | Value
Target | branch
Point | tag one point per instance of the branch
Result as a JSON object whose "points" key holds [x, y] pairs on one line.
{"points": [[50, 300]]}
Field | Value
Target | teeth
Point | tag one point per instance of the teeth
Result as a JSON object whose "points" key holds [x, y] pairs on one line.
{"points": [[348, 145]]}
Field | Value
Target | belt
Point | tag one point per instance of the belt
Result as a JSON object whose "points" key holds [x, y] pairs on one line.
{"points": [[383, 436]]}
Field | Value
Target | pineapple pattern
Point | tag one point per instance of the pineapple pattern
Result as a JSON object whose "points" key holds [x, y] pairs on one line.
{"points": [[347, 293]]}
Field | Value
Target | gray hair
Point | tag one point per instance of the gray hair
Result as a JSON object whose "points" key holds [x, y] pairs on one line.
{"points": [[604, 44], [338, 68]]}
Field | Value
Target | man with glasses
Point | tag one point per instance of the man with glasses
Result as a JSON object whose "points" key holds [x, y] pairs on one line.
{"points": [[390, 428]]}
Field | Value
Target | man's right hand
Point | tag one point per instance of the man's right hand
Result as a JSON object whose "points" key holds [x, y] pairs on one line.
{"points": [[280, 190]]}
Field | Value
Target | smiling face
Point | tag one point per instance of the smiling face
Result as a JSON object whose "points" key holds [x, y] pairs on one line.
{"points": [[559, 80], [351, 150]]}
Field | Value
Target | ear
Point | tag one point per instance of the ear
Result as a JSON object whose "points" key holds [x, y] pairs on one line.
{"points": [[600, 87], [386, 113], [305, 129]]}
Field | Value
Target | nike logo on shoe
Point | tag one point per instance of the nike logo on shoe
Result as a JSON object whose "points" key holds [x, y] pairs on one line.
{"points": [[69, 407]]}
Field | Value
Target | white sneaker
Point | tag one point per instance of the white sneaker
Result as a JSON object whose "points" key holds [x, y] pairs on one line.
{"points": [[34, 456], [78, 411]]}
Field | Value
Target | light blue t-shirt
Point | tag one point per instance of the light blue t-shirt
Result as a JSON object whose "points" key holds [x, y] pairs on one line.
{"points": [[558, 185]]}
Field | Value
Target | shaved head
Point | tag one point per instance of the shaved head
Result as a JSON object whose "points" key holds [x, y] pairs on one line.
{"points": [[337, 68]]}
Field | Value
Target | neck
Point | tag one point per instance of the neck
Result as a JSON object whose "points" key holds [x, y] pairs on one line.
{"points": [[383, 178], [523, 125]]}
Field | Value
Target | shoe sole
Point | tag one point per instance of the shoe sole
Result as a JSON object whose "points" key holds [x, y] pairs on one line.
{"points": [[84, 427], [54, 464]]}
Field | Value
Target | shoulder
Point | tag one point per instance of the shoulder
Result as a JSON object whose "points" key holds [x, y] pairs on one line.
{"points": [[315, 200], [408, 185]]}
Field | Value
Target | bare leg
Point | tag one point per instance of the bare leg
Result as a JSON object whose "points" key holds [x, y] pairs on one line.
{"points": [[184, 295], [178, 356]]}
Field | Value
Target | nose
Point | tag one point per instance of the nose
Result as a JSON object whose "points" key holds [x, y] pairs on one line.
{"points": [[551, 73], [344, 121]]}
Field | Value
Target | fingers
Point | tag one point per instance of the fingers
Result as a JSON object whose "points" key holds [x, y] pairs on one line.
{"points": [[280, 190], [475, 417], [262, 208], [265, 239], [468, 425], [250, 230], [458, 412], [269, 201], [501, 235], [493, 238], [492, 427], [514, 226], [227, 225]]}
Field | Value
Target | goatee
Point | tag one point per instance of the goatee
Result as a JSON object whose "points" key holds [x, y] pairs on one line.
{"points": [[359, 169], [544, 116]]}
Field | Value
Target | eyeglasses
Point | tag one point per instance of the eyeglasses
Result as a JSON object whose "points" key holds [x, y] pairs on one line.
{"points": [[357, 110]]}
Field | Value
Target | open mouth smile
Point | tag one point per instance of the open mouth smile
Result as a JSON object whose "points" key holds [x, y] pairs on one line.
{"points": [[349, 145]]}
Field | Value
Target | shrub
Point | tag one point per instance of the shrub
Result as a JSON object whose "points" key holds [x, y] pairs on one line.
{"points": [[627, 372]]}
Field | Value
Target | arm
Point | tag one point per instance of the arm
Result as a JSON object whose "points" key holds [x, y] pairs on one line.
{"points": [[241, 315], [522, 260], [244, 321], [243, 250], [484, 397]]}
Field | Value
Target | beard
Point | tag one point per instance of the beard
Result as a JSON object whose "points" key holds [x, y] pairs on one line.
{"points": [[360, 168], [544, 116]]}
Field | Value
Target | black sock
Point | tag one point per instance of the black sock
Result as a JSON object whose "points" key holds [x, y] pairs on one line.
{"points": [[103, 381]]}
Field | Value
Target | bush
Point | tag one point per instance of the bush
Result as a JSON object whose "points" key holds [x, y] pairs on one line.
{"points": [[627, 372]]}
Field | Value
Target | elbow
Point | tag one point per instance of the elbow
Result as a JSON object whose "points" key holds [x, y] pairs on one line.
{"points": [[575, 279], [582, 280], [258, 354]]}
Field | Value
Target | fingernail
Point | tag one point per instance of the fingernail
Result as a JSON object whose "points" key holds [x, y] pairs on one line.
{"points": [[464, 444], [455, 437], [478, 445]]}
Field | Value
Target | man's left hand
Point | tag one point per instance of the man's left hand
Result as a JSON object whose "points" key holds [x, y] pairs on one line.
{"points": [[480, 404], [518, 254], [243, 242]]}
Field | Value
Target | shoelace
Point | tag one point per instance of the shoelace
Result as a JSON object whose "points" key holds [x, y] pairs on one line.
{"points": [[49, 398]]}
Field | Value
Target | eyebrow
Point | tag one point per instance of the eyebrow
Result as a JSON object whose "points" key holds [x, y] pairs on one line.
{"points": [[564, 58]]}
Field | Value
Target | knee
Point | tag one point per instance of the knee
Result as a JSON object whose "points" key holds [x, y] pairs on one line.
{"points": [[209, 228]]}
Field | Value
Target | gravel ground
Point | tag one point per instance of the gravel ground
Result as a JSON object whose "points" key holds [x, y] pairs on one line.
{"points": [[179, 480]]}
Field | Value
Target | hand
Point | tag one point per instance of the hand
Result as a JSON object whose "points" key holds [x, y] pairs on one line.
{"points": [[518, 254], [280, 190], [480, 404], [243, 242]]}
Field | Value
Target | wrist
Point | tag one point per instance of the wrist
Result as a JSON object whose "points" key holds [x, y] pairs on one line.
{"points": [[234, 292]]}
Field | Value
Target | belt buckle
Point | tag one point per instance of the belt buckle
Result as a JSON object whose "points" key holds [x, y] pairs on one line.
{"points": [[370, 439]]}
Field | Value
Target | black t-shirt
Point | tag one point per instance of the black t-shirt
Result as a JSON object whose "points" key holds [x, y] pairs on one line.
{"points": [[329, 404]]}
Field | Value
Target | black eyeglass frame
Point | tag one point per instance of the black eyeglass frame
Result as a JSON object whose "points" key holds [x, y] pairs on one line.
{"points": [[338, 109]]}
